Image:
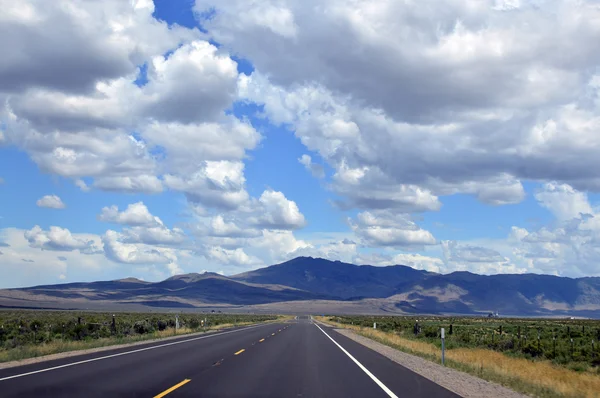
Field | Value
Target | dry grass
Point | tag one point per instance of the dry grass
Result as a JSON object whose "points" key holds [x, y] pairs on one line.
{"points": [[538, 378]]}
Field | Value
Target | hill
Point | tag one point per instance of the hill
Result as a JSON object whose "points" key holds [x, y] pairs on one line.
{"points": [[331, 286]]}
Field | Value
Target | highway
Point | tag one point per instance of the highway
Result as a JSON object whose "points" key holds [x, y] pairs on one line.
{"points": [[292, 359]]}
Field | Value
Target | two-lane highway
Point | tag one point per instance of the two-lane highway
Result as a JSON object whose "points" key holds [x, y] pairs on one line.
{"points": [[293, 359]]}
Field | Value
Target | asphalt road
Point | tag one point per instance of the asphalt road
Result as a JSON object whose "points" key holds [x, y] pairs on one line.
{"points": [[294, 359]]}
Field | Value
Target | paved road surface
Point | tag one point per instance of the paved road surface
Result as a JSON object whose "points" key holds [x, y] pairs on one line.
{"points": [[293, 359]]}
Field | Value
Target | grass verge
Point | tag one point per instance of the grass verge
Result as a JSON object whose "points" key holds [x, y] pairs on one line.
{"points": [[536, 378], [56, 347]]}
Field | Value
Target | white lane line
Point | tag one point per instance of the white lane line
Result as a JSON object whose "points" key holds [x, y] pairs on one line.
{"points": [[360, 365], [126, 353]]}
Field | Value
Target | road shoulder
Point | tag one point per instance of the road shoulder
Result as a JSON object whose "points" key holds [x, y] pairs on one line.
{"points": [[460, 383], [113, 347]]}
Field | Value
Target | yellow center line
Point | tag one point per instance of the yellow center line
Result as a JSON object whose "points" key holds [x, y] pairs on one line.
{"points": [[261, 340], [175, 387], [240, 351]]}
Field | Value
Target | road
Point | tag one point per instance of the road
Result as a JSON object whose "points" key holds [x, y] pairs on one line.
{"points": [[292, 359]]}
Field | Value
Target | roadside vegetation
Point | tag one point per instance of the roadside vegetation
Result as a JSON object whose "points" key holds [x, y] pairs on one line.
{"points": [[28, 334], [539, 357]]}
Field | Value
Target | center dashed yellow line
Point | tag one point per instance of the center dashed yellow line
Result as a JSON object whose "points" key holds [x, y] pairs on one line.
{"points": [[261, 340], [240, 351], [175, 387]]}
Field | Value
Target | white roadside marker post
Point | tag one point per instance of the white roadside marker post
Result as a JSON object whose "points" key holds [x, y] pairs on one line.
{"points": [[443, 347], [374, 325]]}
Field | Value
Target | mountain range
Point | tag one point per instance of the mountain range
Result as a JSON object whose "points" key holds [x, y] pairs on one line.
{"points": [[315, 284]]}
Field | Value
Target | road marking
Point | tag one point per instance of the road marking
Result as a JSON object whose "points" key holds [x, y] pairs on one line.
{"points": [[280, 330], [175, 387], [261, 340], [127, 353], [273, 334], [240, 351], [360, 365]]}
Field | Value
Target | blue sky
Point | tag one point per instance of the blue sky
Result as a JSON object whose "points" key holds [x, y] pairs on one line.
{"points": [[227, 136]]}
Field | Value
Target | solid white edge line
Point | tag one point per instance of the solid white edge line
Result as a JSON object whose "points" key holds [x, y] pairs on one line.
{"points": [[127, 353], [360, 365]]}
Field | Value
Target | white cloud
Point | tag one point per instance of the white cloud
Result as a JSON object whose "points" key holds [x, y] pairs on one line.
{"points": [[418, 116], [194, 84], [142, 183], [563, 201], [274, 211], [568, 247], [384, 228], [61, 239], [417, 261], [50, 202], [235, 257], [143, 226], [128, 253], [79, 183], [315, 169], [136, 214], [344, 250], [155, 235], [470, 254], [77, 124], [217, 184]]}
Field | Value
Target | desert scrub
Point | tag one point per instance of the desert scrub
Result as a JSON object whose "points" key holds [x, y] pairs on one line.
{"points": [[27, 334]]}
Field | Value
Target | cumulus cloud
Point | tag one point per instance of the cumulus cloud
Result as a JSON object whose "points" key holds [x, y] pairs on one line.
{"points": [[217, 184], [61, 239], [416, 103], [274, 211], [315, 169], [472, 254], [344, 250], [78, 124], [194, 84], [563, 201], [417, 261], [143, 227], [141, 183], [235, 257], [412, 110], [386, 229], [79, 183], [568, 247], [156, 235], [128, 253], [50, 202], [136, 214]]}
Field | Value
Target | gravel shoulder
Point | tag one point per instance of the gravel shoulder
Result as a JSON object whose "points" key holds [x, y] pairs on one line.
{"points": [[460, 383]]}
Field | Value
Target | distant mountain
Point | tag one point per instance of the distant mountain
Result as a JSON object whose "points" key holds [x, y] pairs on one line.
{"points": [[317, 283], [187, 290], [336, 279]]}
